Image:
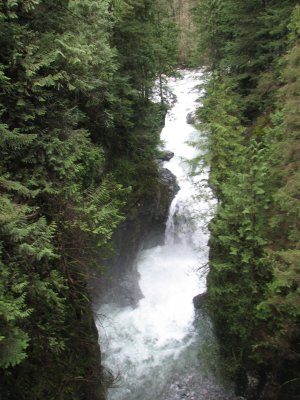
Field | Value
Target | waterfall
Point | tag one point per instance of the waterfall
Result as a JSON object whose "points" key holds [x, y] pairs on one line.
{"points": [[153, 347]]}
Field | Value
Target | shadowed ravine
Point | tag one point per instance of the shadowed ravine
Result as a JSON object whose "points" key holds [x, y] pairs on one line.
{"points": [[153, 348]]}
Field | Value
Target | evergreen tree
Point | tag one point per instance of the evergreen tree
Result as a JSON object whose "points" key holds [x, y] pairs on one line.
{"points": [[250, 115]]}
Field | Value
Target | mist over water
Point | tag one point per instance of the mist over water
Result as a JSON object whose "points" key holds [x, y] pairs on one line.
{"points": [[152, 346]]}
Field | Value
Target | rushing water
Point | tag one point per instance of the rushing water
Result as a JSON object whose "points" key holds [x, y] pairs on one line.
{"points": [[152, 348]]}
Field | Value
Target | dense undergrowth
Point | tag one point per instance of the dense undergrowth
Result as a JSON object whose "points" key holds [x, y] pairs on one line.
{"points": [[251, 116], [78, 132]]}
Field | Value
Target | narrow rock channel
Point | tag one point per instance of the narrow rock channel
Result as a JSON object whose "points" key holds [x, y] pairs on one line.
{"points": [[154, 348]]}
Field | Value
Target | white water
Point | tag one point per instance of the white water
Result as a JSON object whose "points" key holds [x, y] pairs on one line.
{"points": [[144, 345]]}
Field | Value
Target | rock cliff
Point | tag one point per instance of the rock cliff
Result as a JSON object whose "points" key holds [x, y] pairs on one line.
{"points": [[144, 228]]}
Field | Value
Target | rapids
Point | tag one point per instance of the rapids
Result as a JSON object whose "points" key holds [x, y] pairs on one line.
{"points": [[153, 348]]}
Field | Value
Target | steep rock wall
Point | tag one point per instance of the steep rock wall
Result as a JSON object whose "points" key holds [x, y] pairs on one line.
{"points": [[143, 228]]}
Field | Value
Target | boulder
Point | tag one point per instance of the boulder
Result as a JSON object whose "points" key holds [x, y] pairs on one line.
{"points": [[165, 155], [191, 118], [169, 182], [200, 301]]}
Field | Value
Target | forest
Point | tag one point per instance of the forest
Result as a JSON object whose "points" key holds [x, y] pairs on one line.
{"points": [[251, 116], [79, 135]]}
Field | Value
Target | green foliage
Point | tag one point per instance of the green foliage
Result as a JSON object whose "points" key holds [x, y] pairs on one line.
{"points": [[250, 117], [28, 241], [280, 309], [220, 119], [241, 39], [146, 27], [238, 239], [76, 80]]}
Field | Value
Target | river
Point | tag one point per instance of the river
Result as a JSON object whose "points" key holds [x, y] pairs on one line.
{"points": [[153, 349]]}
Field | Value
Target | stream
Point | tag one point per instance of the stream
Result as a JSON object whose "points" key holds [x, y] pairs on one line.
{"points": [[159, 350]]}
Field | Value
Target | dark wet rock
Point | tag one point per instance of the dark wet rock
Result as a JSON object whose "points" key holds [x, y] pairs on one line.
{"points": [[168, 180], [165, 155], [197, 387], [200, 301], [191, 118], [159, 209], [143, 228]]}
